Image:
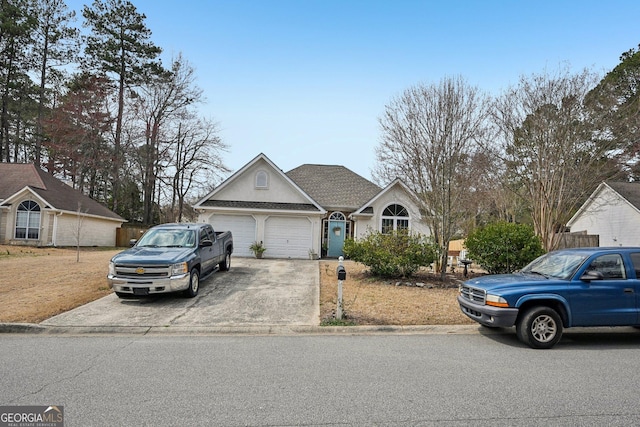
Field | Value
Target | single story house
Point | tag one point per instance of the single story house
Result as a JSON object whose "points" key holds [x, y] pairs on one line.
{"points": [[38, 209], [308, 211], [612, 212]]}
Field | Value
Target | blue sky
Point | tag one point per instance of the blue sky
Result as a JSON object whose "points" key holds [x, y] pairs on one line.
{"points": [[305, 81]]}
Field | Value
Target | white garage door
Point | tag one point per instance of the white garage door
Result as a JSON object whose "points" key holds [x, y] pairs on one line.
{"points": [[287, 237], [243, 229]]}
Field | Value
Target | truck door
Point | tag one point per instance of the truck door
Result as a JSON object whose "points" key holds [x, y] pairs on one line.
{"points": [[609, 301], [635, 268], [206, 252]]}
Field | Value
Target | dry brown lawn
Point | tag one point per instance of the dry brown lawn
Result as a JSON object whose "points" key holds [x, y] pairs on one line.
{"points": [[38, 283], [370, 301]]}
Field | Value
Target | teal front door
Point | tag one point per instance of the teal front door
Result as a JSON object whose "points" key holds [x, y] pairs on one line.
{"points": [[336, 238]]}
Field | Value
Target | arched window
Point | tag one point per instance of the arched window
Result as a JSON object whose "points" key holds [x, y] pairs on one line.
{"points": [[28, 220], [337, 216], [394, 218], [262, 180]]}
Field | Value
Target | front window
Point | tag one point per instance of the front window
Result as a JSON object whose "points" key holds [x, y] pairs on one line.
{"points": [[561, 265], [28, 220], [394, 218], [168, 238], [337, 216]]}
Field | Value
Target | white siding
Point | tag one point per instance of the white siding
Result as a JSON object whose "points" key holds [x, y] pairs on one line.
{"points": [[612, 218], [395, 195], [243, 187]]}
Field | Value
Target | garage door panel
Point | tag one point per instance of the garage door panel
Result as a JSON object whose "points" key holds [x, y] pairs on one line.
{"points": [[288, 237], [243, 229]]}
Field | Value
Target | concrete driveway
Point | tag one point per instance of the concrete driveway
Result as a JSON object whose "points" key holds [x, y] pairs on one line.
{"points": [[254, 293]]}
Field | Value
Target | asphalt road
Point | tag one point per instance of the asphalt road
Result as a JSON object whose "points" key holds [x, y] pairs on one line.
{"points": [[589, 379]]}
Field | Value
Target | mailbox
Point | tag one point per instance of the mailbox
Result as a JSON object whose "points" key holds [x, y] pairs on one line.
{"points": [[341, 272]]}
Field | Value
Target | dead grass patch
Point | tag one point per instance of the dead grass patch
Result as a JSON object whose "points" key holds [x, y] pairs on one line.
{"points": [[370, 301], [38, 283]]}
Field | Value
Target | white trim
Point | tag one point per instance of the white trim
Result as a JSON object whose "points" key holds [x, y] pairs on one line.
{"points": [[260, 173], [245, 211], [395, 218], [240, 171], [388, 188]]}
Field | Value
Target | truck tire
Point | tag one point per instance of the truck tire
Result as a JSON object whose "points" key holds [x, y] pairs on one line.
{"points": [[539, 327], [225, 265], [194, 284]]}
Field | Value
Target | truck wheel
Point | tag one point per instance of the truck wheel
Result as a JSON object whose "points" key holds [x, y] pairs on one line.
{"points": [[540, 327], [194, 284], [225, 265]]}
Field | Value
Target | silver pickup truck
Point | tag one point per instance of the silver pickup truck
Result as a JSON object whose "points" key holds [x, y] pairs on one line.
{"points": [[170, 258]]}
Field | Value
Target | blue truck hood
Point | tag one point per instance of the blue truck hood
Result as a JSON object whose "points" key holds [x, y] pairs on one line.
{"points": [[502, 281], [151, 255]]}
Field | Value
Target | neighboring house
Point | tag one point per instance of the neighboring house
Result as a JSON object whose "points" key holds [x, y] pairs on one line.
{"points": [[457, 252], [38, 209], [296, 214], [612, 212]]}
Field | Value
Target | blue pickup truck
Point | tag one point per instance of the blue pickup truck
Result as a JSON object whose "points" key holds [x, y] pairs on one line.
{"points": [[170, 258], [562, 289]]}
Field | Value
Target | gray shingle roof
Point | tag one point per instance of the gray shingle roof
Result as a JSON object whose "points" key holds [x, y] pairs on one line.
{"points": [[334, 187], [629, 190], [15, 176]]}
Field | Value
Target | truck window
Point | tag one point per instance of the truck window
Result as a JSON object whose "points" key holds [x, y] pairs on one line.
{"points": [[203, 235], [610, 265], [635, 260]]}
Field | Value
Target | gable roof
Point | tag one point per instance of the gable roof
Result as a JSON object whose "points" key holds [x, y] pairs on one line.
{"points": [[366, 207], [15, 177], [334, 187], [629, 190], [312, 205]]}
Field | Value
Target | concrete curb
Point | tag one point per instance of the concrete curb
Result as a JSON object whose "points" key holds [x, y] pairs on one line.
{"points": [[15, 328], [31, 328]]}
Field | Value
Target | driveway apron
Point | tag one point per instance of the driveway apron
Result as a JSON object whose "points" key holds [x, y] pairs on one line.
{"points": [[255, 292]]}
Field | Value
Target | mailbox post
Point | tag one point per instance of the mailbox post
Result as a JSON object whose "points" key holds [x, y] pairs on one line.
{"points": [[342, 275]]}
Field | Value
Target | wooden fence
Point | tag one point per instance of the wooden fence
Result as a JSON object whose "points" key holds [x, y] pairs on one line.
{"points": [[125, 234], [578, 240]]}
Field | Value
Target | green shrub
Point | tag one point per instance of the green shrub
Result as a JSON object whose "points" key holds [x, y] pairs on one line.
{"points": [[391, 255], [503, 247]]}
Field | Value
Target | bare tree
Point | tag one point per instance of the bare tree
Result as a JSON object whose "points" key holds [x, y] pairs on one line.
{"points": [[77, 231], [163, 99], [547, 138], [196, 160], [429, 137]]}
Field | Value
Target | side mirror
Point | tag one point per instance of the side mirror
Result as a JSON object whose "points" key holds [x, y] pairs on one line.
{"points": [[132, 242], [592, 275], [206, 242]]}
